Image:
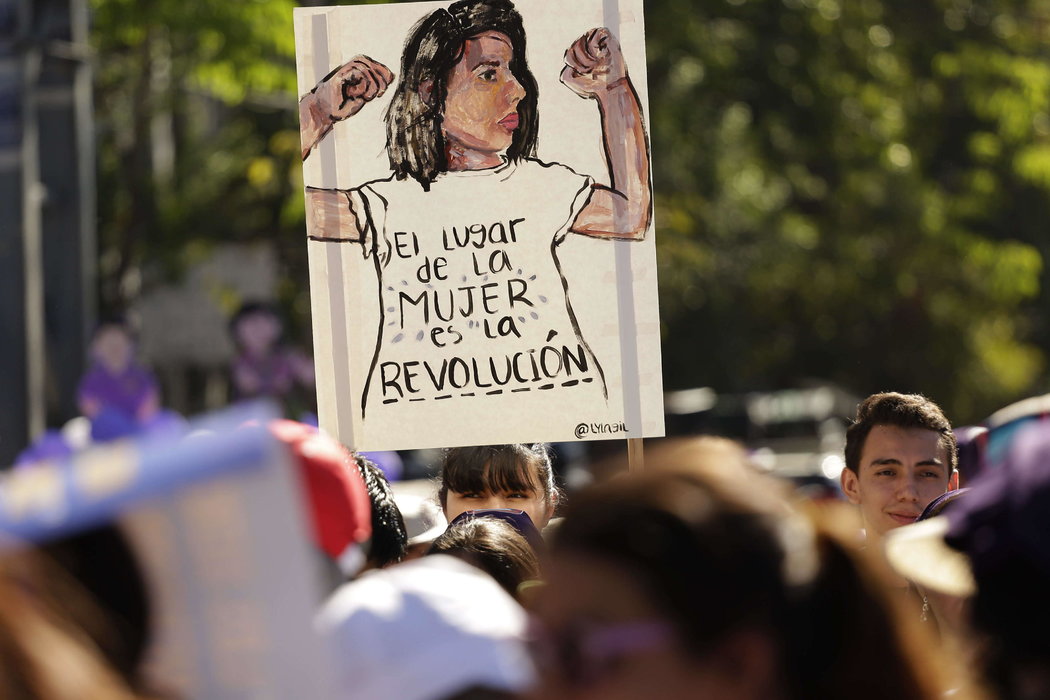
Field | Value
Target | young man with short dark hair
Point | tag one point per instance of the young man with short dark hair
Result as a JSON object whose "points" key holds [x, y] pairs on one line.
{"points": [[900, 455]]}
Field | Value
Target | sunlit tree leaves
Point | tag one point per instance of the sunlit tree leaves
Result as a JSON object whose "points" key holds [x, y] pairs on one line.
{"points": [[853, 191]]}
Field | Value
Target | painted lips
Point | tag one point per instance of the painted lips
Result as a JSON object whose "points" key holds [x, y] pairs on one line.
{"points": [[509, 122]]}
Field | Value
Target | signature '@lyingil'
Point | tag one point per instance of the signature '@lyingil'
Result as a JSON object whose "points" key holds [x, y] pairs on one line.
{"points": [[585, 429]]}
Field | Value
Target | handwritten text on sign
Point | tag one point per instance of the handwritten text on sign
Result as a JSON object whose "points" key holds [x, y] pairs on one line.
{"points": [[491, 299]]}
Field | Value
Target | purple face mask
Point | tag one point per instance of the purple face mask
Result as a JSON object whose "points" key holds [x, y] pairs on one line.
{"points": [[519, 519]]}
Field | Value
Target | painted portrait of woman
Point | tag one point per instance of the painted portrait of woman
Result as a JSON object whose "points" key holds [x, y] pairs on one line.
{"points": [[465, 233]]}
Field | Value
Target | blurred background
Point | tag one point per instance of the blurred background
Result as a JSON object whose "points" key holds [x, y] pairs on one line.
{"points": [[852, 196]]}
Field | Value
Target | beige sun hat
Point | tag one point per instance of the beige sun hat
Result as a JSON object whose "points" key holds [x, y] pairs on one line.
{"points": [[919, 553]]}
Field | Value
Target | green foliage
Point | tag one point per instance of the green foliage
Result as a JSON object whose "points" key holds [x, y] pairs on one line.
{"points": [[198, 137], [854, 191]]}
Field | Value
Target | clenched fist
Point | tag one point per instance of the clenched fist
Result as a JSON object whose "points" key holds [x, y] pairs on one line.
{"points": [[344, 91], [594, 63]]}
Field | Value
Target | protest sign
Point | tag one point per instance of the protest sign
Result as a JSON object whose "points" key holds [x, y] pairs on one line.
{"points": [[482, 257], [216, 524]]}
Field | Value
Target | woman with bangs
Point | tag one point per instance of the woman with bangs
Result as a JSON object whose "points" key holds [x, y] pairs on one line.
{"points": [[516, 477], [461, 130]]}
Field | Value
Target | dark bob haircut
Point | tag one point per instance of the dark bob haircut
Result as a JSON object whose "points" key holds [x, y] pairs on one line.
{"points": [[493, 546], [415, 142], [515, 467]]}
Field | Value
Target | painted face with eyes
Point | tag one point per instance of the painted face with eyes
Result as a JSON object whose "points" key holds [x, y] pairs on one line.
{"points": [[531, 500], [481, 107], [901, 470]]}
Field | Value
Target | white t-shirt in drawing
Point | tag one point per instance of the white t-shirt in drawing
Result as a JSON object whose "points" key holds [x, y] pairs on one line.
{"points": [[474, 302]]}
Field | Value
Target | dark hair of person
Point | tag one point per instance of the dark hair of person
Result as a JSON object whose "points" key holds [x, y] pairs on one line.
{"points": [[971, 443], [117, 321], [495, 547], [719, 554], [389, 536], [1010, 617], [415, 141], [938, 505], [900, 411], [514, 467], [250, 308], [45, 652], [116, 613]]}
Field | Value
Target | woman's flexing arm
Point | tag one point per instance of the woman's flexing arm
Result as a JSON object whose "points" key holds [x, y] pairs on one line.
{"points": [[595, 69], [331, 215], [340, 94]]}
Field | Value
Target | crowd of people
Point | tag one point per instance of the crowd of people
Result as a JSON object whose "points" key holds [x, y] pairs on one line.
{"points": [[701, 575], [697, 576]]}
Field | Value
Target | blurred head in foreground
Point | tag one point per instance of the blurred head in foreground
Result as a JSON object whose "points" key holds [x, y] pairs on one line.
{"points": [[993, 546], [495, 547], [699, 581], [433, 628], [45, 651]]}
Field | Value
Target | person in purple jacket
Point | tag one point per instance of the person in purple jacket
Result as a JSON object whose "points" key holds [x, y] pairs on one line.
{"points": [[116, 391]]}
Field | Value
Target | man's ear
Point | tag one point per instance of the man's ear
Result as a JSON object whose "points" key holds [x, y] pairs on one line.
{"points": [[426, 91], [850, 485], [953, 480]]}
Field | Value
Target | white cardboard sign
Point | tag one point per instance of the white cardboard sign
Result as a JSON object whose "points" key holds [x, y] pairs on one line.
{"points": [[479, 208]]}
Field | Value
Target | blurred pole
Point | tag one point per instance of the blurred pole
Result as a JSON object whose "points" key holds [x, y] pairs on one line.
{"points": [[33, 194], [67, 170], [635, 454], [46, 214], [12, 310], [15, 171]]}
